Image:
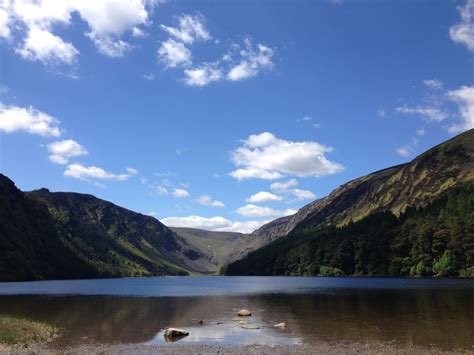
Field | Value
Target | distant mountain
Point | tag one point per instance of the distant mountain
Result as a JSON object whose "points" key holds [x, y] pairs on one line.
{"points": [[219, 247], [323, 233], [45, 235]]}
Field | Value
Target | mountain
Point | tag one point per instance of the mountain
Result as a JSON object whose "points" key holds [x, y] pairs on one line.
{"points": [[45, 235], [393, 189], [334, 232], [219, 247]]}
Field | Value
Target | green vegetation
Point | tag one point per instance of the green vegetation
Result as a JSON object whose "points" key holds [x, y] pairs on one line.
{"points": [[16, 332], [434, 240], [46, 235]]}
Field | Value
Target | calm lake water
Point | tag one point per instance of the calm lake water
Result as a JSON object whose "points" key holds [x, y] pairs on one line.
{"points": [[410, 312]]}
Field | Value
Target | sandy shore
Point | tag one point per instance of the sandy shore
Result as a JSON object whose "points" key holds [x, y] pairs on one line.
{"points": [[194, 349]]}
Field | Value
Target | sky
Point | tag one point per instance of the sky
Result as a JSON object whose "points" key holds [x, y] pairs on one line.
{"points": [[224, 115]]}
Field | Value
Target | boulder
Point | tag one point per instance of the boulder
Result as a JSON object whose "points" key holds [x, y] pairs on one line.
{"points": [[280, 325], [244, 313], [175, 333]]}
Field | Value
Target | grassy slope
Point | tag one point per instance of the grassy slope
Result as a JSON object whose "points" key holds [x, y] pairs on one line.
{"points": [[218, 246]]}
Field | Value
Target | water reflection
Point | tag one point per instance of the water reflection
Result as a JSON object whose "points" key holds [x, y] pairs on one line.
{"points": [[425, 317]]}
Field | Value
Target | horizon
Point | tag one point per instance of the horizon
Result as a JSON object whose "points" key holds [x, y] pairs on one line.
{"points": [[236, 118]]}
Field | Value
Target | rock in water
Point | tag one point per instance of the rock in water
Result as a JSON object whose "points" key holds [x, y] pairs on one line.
{"points": [[175, 333], [280, 325], [244, 313]]}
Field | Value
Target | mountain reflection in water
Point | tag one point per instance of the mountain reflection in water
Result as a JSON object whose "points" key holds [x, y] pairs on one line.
{"points": [[424, 316]]}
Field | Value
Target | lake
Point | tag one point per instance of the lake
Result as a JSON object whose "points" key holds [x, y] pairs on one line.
{"points": [[409, 312]]}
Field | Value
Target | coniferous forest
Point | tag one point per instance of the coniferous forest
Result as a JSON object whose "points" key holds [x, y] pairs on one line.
{"points": [[434, 240]]}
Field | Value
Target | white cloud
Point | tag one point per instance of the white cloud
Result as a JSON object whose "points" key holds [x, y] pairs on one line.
{"points": [[202, 75], [263, 196], [261, 211], [252, 173], [159, 190], [107, 21], [138, 32], [463, 32], [286, 188], [433, 83], [150, 76], [301, 195], [174, 54], [207, 200], [78, 171], [4, 24], [405, 151], [420, 132], [464, 97], [180, 193], [44, 46], [282, 186], [218, 224], [433, 114], [61, 151], [190, 28], [110, 47], [265, 156], [253, 60], [30, 120]]}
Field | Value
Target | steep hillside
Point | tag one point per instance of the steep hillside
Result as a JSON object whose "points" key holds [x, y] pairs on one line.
{"points": [[46, 235], [417, 182], [105, 234], [30, 245], [434, 240], [321, 234]]}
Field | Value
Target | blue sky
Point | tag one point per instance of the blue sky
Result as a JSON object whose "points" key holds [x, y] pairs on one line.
{"points": [[226, 114]]}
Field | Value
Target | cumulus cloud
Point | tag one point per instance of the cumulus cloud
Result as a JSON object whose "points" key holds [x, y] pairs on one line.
{"points": [[180, 193], [174, 54], [202, 75], [251, 210], [218, 224], [253, 60], [264, 156], [263, 196], [107, 21], [4, 24], [283, 186], [463, 32], [61, 151], [88, 173], [464, 97], [207, 200], [287, 188], [189, 29], [433, 114], [44, 46], [237, 64], [30, 120]]}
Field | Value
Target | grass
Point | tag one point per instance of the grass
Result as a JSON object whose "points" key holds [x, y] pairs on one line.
{"points": [[19, 332]]}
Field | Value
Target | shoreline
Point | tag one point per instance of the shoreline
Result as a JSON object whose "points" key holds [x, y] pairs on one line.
{"points": [[251, 349]]}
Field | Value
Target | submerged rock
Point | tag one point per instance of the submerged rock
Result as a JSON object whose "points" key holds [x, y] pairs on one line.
{"points": [[249, 326], [174, 334], [280, 325], [244, 313]]}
